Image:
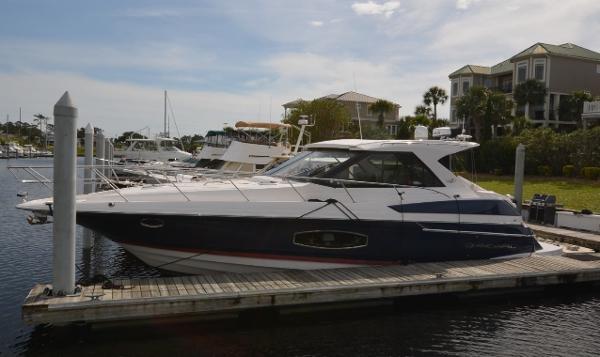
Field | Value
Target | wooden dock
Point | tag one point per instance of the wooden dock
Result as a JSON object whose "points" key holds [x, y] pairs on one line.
{"points": [[582, 239], [223, 293]]}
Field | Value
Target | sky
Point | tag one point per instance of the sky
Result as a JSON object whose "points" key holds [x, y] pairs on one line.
{"points": [[225, 61]]}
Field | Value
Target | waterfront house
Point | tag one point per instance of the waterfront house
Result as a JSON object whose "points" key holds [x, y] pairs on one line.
{"points": [[562, 68], [358, 105]]}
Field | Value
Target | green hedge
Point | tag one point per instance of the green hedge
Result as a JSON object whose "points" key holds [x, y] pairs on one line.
{"points": [[547, 153]]}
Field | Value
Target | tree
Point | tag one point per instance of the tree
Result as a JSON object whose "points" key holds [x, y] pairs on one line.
{"points": [[128, 135], [435, 95], [406, 126], [472, 107], [530, 92], [381, 106], [423, 110], [519, 124], [571, 107], [498, 111], [332, 120]]}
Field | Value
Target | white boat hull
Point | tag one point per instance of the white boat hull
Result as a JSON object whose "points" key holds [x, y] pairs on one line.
{"points": [[194, 263]]}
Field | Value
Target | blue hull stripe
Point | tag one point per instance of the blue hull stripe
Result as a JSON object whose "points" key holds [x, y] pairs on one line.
{"points": [[486, 207], [392, 241]]}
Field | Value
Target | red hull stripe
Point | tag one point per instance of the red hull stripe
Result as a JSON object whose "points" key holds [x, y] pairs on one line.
{"points": [[272, 256]]}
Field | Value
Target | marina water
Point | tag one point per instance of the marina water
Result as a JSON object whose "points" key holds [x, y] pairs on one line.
{"points": [[563, 323]]}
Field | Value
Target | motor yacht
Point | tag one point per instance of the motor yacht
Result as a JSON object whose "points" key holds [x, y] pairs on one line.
{"points": [[146, 150], [338, 203]]}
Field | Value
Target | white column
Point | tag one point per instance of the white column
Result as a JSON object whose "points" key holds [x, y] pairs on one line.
{"points": [[65, 160], [88, 175], [100, 153], [107, 157], [519, 174]]}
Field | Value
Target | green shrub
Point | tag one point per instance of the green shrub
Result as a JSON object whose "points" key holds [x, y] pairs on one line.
{"points": [[590, 172], [568, 170], [544, 170]]}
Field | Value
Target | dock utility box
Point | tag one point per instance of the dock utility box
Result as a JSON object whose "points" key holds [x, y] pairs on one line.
{"points": [[542, 209]]}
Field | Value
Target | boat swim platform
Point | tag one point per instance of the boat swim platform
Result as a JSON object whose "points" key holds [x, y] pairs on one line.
{"points": [[226, 293], [584, 239]]}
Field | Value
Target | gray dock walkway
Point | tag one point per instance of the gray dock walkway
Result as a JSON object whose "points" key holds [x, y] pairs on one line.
{"points": [[583, 239], [223, 293]]}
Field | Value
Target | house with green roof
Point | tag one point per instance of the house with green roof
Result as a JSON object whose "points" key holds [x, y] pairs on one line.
{"points": [[562, 68]]}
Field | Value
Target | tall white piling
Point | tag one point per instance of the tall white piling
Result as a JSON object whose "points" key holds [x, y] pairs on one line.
{"points": [[88, 174], [519, 174], [107, 157], [100, 152], [65, 160]]}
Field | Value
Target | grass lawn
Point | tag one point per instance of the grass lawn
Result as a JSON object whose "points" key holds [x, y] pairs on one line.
{"points": [[573, 193]]}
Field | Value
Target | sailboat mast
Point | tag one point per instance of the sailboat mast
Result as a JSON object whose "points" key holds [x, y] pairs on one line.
{"points": [[165, 117]]}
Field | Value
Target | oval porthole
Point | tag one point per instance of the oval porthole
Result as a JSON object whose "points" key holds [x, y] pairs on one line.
{"points": [[152, 222], [331, 239]]}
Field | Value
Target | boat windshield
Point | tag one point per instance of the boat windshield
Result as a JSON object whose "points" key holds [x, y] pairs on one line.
{"points": [[311, 163]]}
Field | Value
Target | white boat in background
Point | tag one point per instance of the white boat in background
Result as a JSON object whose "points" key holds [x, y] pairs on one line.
{"points": [[146, 150], [255, 145], [15, 149]]}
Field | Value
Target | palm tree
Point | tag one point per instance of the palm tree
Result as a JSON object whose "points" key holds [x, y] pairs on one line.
{"points": [[498, 111], [381, 106], [530, 92], [473, 107], [423, 110], [435, 95]]}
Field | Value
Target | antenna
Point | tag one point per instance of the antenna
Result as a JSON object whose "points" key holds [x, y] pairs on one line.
{"points": [[357, 107], [270, 110], [165, 117]]}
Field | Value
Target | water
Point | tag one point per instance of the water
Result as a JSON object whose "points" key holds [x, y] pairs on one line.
{"points": [[561, 323]]}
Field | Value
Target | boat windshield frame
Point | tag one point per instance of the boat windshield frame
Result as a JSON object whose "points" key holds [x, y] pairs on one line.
{"points": [[340, 170]]}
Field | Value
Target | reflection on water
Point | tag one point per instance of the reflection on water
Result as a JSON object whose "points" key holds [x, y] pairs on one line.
{"points": [[563, 323]]}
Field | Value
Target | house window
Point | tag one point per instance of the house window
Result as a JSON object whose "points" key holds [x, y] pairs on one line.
{"points": [[392, 129], [453, 116], [487, 83], [465, 86], [598, 68], [539, 69], [521, 72], [455, 88]]}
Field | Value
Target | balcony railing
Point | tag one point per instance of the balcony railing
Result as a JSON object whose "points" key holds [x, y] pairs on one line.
{"points": [[591, 109]]}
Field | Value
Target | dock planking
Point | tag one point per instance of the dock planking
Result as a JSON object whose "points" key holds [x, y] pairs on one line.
{"points": [[178, 296]]}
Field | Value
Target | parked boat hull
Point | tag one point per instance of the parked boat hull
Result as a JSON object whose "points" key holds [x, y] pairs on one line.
{"points": [[198, 244]]}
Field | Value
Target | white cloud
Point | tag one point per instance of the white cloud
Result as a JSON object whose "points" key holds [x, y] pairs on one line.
{"points": [[465, 4], [149, 55], [372, 8], [154, 12], [316, 23]]}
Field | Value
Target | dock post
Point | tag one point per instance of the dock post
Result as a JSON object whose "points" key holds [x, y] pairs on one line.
{"points": [[519, 174], [100, 153], [106, 171], [88, 186], [65, 163]]}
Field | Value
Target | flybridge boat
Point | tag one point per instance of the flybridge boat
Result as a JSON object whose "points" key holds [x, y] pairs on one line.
{"points": [[145, 150], [339, 203]]}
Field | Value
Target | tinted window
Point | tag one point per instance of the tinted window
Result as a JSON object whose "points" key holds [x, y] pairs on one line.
{"points": [[330, 239], [311, 164], [400, 168]]}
